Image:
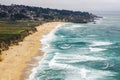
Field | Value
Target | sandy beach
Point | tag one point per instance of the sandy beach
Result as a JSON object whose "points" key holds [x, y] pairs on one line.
{"points": [[16, 57]]}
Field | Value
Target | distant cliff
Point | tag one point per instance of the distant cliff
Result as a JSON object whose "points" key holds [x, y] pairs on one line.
{"points": [[21, 12]]}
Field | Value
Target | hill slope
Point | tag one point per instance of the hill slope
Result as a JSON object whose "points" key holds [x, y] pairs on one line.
{"points": [[21, 12]]}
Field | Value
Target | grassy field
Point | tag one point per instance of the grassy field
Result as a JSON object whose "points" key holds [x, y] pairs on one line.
{"points": [[18, 25], [10, 30]]}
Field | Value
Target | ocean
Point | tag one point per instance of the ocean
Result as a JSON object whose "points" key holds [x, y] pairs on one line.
{"points": [[81, 51]]}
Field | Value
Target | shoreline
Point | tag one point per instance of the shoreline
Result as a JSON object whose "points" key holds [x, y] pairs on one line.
{"points": [[31, 64], [18, 56]]}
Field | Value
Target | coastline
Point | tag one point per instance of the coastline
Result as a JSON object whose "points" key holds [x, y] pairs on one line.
{"points": [[16, 58]]}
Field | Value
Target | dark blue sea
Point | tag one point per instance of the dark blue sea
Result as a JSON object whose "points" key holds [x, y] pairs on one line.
{"points": [[81, 51]]}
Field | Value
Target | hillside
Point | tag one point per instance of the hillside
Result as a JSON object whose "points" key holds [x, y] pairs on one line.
{"points": [[21, 12]]}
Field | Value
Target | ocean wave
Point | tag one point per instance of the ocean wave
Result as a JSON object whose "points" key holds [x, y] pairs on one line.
{"points": [[46, 40], [71, 43], [100, 43], [96, 49], [53, 64], [74, 58], [75, 54], [65, 46], [88, 74], [77, 26]]}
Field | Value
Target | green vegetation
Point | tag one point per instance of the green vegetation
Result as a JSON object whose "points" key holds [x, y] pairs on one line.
{"points": [[13, 32], [21, 12], [1, 56]]}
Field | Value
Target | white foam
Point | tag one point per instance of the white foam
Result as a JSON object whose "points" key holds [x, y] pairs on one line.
{"points": [[106, 66], [100, 43], [96, 49], [73, 58], [87, 74], [65, 46], [84, 72], [77, 25], [96, 74], [92, 35], [54, 64], [57, 53], [77, 74], [99, 21], [45, 41], [32, 75]]}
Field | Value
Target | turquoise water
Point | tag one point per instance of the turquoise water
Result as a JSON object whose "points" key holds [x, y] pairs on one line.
{"points": [[81, 52]]}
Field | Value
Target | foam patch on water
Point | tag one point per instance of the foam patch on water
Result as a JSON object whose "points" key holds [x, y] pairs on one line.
{"points": [[98, 74], [77, 26], [96, 49], [54, 65], [99, 21], [92, 35], [100, 43], [88, 74], [65, 46], [74, 58]]}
